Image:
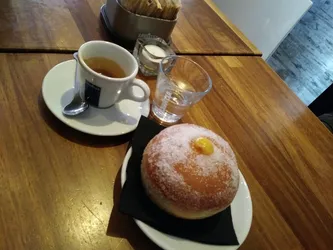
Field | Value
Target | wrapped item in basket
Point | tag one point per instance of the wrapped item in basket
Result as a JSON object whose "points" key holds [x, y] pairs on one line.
{"points": [[151, 8], [148, 7], [176, 7], [166, 4], [170, 9], [165, 9]]}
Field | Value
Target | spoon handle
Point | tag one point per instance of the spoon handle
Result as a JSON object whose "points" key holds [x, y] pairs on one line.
{"points": [[76, 82]]}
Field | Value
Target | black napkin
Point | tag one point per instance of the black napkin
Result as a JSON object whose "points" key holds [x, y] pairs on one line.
{"points": [[216, 230]]}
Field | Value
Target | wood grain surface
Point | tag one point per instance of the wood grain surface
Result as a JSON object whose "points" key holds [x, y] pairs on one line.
{"points": [[37, 25], [60, 188], [63, 25]]}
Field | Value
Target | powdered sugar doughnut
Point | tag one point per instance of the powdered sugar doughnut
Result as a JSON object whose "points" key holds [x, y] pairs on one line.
{"points": [[189, 171]]}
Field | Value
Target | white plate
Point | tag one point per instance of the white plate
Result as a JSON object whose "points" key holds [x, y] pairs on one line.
{"points": [[121, 118], [241, 210]]}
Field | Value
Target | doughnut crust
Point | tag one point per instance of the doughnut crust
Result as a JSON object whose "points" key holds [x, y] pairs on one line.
{"points": [[186, 180]]}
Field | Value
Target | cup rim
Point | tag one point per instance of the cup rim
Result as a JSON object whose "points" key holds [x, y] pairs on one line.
{"points": [[210, 84], [85, 66]]}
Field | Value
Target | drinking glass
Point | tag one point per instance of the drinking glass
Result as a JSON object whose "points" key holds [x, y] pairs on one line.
{"points": [[181, 83]]}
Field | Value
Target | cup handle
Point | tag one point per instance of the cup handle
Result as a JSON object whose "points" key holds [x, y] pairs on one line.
{"points": [[129, 93]]}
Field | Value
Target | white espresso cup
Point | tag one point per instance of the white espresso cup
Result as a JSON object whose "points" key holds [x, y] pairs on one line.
{"points": [[102, 91]]}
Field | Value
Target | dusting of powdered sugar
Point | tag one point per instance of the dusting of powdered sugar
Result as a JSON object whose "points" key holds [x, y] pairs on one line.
{"points": [[176, 171], [175, 147], [186, 176]]}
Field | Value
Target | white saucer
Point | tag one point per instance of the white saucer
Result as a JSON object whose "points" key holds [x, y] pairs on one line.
{"points": [[241, 210], [121, 118]]}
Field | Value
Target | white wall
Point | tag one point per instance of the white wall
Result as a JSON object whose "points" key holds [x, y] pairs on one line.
{"points": [[265, 22]]}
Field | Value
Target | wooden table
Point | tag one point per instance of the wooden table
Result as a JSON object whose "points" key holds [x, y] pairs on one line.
{"points": [[63, 25], [60, 188]]}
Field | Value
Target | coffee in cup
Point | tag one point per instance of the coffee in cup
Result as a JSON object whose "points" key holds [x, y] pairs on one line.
{"points": [[105, 66]]}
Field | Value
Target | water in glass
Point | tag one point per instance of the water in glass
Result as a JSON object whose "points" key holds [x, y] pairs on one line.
{"points": [[180, 84], [170, 104]]}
